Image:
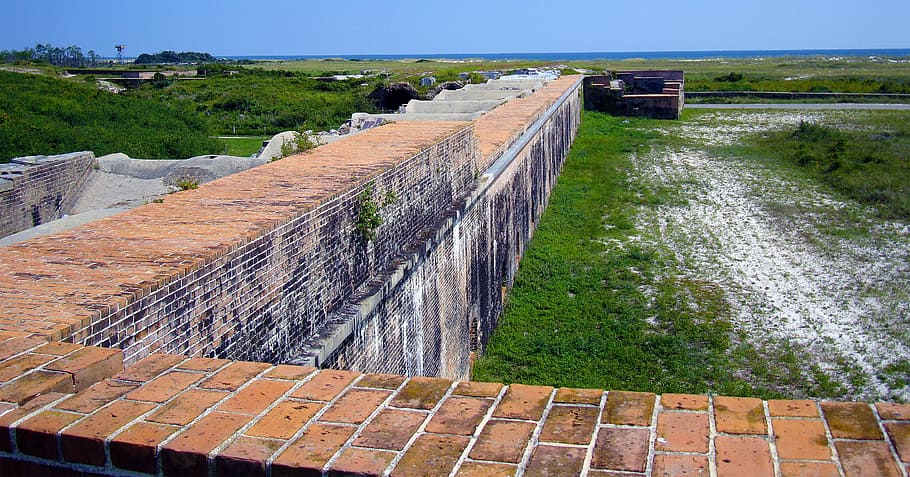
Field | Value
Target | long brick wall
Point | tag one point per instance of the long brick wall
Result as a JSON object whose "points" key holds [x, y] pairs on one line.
{"points": [[39, 189], [445, 299], [268, 264]]}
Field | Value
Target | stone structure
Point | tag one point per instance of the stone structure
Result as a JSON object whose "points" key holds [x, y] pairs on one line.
{"points": [[251, 265], [38, 189], [654, 94]]}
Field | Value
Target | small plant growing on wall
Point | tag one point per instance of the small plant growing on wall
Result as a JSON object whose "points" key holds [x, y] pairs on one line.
{"points": [[370, 216], [188, 183], [369, 219], [303, 141]]}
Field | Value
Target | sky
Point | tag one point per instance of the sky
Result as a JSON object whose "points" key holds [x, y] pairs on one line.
{"points": [[356, 27]]}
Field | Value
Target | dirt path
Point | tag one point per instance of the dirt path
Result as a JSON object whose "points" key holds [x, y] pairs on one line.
{"points": [[777, 248]]}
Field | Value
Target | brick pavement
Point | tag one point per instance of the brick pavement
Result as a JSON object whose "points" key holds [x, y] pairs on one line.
{"points": [[173, 415]]}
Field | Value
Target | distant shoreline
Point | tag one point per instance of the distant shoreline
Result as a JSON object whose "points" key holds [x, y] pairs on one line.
{"points": [[593, 56]]}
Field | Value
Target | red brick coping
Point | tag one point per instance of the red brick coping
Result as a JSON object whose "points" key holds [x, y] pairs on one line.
{"points": [[67, 409]]}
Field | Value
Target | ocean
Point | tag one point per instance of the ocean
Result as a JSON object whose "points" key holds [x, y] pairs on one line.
{"points": [[590, 56]]}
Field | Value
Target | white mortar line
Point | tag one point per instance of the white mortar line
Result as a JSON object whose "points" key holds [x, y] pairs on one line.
{"points": [[421, 429], [772, 440], [652, 437], [477, 430], [834, 455], [712, 435], [589, 454], [535, 436]]}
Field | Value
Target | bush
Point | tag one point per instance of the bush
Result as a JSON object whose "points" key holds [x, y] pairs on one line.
{"points": [[52, 116]]}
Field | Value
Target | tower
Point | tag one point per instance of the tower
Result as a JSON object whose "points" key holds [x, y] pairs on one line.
{"points": [[120, 49]]}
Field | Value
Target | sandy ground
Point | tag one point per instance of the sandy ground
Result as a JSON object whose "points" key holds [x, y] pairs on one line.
{"points": [[105, 190], [842, 299]]}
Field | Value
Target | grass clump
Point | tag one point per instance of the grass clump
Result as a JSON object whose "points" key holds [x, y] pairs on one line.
{"points": [[869, 164], [593, 308]]}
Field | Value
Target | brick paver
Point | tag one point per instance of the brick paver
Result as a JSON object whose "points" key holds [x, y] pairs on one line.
{"points": [[628, 408], [740, 415], [851, 420]]}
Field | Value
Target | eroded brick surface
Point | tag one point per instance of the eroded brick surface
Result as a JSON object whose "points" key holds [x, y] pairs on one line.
{"points": [[866, 458], [312, 450], [570, 425], [801, 439], [523, 402], [743, 456], [740, 415], [431, 455], [421, 393], [502, 441], [851, 420], [459, 415], [621, 449], [677, 465], [628, 408], [682, 432]]}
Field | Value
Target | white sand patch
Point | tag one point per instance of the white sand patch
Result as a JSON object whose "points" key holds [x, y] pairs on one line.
{"points": [[756, 234]]}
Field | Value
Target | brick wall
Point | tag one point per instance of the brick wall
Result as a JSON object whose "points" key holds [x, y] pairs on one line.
{"points": [[252, 265], [38, 189], [446, 299]]}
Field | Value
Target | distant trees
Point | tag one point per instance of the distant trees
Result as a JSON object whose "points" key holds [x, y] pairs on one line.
{"points": [[172, 57], [46, 53]]}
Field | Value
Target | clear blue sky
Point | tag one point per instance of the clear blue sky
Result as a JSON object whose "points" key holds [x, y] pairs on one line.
{"points": [[290, 27]]}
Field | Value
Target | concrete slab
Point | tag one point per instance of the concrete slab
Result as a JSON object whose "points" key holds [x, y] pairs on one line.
{"points": [[449, 107], [480, 95], [425, 117]]}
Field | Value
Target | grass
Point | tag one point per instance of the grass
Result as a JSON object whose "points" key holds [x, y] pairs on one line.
{"points": [[243, 146], [592, 307], [46, 115], [862, 156]]}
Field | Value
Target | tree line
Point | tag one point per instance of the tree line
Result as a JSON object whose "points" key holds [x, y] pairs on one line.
{"points": [[55, 55]]}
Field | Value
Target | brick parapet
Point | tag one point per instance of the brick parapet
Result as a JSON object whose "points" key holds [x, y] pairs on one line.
{"points": [[38, 189], [173, 415], [186, 275]]}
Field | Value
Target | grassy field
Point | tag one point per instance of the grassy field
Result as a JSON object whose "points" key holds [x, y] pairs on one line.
{"points": [[46, 115], [243, 146], [803, 74], [585, 314], [615, 291], [865, 157]]}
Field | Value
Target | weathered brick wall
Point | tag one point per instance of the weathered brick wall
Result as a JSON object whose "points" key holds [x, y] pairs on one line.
{"points": [[38, 189], [252, 265], [426, 318], [244, 266]]}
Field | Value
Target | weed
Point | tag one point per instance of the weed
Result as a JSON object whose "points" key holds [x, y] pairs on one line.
{"points": [[187, 183], [368, 217]]}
